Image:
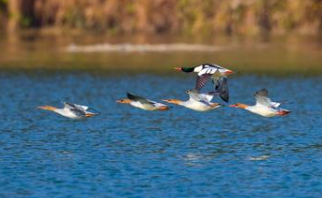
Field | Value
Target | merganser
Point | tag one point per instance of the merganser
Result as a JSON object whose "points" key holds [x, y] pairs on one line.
{"points": [[73, 111], [196, 101], [143, 103], [207, 71], [264, 106]]}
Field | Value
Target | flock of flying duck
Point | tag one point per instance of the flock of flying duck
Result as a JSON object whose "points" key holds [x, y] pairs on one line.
{"points": [[197, 101]]}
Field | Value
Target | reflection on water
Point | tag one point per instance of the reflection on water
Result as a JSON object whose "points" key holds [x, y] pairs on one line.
{"points": [[281, 56], [127, 152], [259, 158]]}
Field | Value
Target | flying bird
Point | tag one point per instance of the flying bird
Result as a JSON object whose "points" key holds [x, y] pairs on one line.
{"points": [[197, 102], [264, 105], [216, 73], [73, 111], [143, 103]]}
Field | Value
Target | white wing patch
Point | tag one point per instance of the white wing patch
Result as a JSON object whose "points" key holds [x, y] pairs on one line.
{"points": [[275, 104], [81, 107], [197, 97], [210, 69], [207, 70], [206, 97], [160, 105]]}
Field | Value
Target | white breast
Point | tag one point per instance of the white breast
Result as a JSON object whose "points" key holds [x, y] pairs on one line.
{"points": [[68, 113], [197, 106], [144, 107]]}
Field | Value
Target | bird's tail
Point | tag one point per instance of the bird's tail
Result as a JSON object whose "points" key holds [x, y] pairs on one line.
{"points": [[283, 112]]}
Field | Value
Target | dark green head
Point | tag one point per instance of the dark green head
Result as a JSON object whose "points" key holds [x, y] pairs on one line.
{"points": [[187, 69]]}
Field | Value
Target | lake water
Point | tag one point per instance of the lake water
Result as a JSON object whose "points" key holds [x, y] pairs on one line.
{"points": [[127, 152]]}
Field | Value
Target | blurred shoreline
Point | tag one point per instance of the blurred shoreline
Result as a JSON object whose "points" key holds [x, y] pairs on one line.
{"points": [[37, 51], [142, 48]]}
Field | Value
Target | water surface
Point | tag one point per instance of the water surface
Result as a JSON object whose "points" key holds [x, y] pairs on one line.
{"points": [[127, 152]]}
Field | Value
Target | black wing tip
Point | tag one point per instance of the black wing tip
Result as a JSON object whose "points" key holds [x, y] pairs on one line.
{"points": [[134, 97], [262, 92], [224, 96], [225, 99], [68, 103], [129, 95]]}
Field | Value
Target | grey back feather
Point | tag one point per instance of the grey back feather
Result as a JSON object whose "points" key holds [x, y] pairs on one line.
{"points": [[261, 97], [78, 110], [139, 99]]}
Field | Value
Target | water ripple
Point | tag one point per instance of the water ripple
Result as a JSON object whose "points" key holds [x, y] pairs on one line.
{"points": [[127, 152]]}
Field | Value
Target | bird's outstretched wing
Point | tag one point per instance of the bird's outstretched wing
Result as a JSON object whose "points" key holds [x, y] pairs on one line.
{"points": [[68, 105], [221, 87], [202, 80], [261, 97], [139, 99], [78, 110], [208, 71], [208, 96], [75, 106], [194, 95], [81, 107]]}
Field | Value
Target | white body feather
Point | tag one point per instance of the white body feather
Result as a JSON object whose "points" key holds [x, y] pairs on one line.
{"points": [[68, 113], [153, 107], [264, 105], [197, 106], [262, 110]]}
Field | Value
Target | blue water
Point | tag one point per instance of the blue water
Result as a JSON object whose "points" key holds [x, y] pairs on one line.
{"points": [[127, 152]]}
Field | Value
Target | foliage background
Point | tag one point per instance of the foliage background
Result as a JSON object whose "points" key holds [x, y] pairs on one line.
{"points": [[251, 17]]}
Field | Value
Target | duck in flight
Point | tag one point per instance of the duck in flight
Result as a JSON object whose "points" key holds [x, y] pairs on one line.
{"points": [[73, 111], [264, 106], [197, 102], [143, 103], [216, 73]]}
